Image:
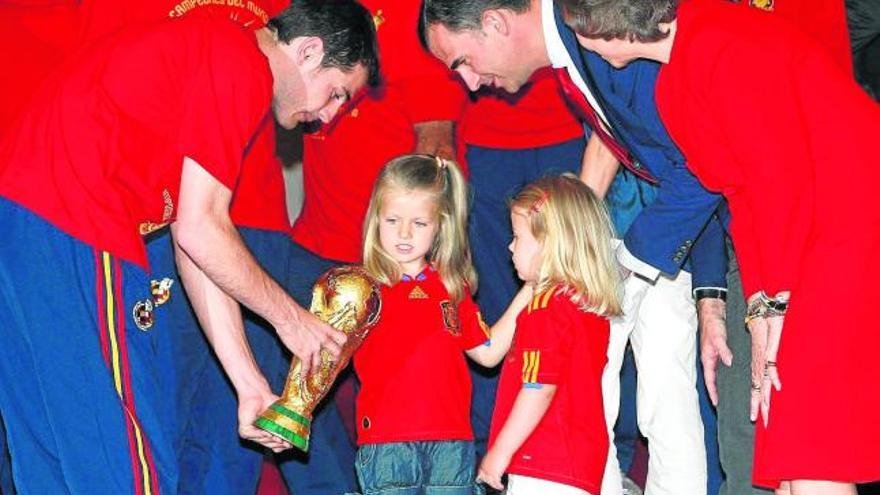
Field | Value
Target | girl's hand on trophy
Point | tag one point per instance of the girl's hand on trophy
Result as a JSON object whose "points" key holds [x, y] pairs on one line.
{"points": [[307, 336], [250, 405]]}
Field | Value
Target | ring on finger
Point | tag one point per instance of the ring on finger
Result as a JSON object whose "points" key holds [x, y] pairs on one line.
{"points": [[770, 364], [756, 388]]}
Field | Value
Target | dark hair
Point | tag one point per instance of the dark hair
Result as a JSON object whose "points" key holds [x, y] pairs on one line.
{"points": [[634, 20], [344, 26], [462, 15]]}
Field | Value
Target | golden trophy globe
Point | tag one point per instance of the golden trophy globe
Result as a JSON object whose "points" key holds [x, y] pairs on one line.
{"points": [[348, 299]]}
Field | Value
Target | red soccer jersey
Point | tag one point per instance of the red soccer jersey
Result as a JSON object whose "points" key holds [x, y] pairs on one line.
{"points": [[260, 199], [36, 37], [538, 116], [557, 343], [342, 160], [100, 152], [415, 384]]}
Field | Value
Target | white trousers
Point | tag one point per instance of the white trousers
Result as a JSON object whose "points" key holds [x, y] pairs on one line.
{"points": [[526, 485], [660, 321]]}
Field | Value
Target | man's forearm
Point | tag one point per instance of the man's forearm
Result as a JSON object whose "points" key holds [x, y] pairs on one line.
{"points": [[220, 318], [207, 235], [599, 166], [436, 137]]}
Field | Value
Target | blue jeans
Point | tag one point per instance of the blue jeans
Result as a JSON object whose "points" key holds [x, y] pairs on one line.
{"points": [[417, 468], [496, 175]]}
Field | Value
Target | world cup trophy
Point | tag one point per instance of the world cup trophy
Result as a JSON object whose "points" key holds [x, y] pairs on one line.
{"points": [[349, 300]]}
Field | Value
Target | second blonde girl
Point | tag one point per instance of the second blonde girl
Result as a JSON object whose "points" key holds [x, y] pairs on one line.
{"points": [[548, 427]]}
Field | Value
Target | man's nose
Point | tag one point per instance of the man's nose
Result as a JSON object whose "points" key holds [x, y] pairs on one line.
{"points": [[329, 111], [471, 79]]}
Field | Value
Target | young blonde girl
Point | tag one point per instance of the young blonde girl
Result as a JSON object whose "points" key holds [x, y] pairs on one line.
{"points": [[413, 406], [548, 429]]}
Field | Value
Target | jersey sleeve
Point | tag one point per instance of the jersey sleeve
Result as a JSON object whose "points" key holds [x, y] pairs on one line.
{"points": [[474, 330], [229, 95], [544, 339]]}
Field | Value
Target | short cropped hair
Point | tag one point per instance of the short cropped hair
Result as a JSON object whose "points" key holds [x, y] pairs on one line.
{"points": [[462, 15], [634, 20], [344, 26]]}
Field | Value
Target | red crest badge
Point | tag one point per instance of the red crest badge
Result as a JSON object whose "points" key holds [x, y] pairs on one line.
{"points": [[450, 317]]}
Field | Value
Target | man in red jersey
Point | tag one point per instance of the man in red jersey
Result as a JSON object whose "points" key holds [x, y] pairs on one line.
{"points": [[205, 414], [147, 129]]}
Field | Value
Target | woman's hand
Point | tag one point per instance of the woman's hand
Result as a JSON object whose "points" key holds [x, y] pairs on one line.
{"points": [[766, 334]]}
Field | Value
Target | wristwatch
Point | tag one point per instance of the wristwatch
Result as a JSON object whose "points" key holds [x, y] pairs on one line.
{"points": [[710, 292]]}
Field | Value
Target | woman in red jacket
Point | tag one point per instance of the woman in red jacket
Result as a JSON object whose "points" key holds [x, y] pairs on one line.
{"points": [[767, 117]]}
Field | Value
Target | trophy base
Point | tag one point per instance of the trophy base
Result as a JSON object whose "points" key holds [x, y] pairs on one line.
{"points": [[286, 424]]}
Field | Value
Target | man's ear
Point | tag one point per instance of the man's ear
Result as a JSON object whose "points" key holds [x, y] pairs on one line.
{"points": [[497, 21], [309, 52]]}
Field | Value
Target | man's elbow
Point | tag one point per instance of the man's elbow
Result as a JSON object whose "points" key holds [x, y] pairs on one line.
{"points": [[189, 233]]}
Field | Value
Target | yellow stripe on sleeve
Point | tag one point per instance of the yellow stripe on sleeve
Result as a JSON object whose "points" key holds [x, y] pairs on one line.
{"points": [[547, 296]]}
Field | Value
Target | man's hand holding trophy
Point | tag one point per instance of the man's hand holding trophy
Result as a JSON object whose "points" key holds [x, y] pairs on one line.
{"points": [[349, 300]]}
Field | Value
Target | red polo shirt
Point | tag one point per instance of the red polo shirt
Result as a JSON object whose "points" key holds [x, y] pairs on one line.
{"points": [[557, 343], [342, 160], [100, 153], [415, 384], [535, 117]]}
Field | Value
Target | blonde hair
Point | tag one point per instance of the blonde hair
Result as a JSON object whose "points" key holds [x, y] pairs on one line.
{"points": [[575, 233], [450, 252]]}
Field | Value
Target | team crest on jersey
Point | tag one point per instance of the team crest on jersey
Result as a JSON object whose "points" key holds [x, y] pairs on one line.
{"points": [[450, 317], [762, 4]]}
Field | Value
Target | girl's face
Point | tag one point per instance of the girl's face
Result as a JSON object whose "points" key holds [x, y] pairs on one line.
{"points": [[407, 226], [525, 248]]}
